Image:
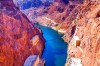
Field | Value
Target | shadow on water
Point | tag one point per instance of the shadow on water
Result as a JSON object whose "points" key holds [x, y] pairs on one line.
{"points": [[55, 52]]}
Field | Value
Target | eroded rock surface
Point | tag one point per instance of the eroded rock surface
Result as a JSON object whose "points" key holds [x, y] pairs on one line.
{"points": [[88, 30], [16, 32]]}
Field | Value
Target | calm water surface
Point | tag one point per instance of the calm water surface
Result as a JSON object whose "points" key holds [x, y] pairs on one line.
{"points": [[55, 51]]}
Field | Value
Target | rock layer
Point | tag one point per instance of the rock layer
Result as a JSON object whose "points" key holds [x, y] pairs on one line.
{"points": [[16, 32]]}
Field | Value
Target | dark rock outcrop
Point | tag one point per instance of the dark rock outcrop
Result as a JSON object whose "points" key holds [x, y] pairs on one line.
{"points": [[16, 32]]}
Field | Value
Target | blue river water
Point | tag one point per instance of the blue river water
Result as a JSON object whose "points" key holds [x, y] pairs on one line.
{"points": [[55, 52]]}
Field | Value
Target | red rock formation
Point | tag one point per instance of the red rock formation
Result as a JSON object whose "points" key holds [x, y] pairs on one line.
{"points": [[16, 31], [88, 30]]}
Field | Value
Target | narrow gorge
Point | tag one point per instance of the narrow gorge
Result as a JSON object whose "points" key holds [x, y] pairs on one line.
{"points": [[49, 32]]}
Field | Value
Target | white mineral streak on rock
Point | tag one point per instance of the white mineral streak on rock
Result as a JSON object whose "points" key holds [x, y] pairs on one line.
{"points": [[75, 62]]}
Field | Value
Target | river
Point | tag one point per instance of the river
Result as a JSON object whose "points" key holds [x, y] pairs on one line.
{"points": [[55, 51]]}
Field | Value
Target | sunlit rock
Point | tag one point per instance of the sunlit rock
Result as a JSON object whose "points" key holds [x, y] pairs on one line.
{"points": [[75, 62], [77, 41], [35, 40], [34, 60], [88, 33]]}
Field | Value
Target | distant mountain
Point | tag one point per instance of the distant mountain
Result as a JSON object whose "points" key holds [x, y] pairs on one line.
{"points": [[25, 4]]}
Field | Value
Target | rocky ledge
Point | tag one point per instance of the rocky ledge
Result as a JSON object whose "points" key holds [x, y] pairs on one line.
{"points": [[19, 39]]}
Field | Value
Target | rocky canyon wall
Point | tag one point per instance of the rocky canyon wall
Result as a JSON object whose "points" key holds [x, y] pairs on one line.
{"points": [[87, 29], [19, 39]]}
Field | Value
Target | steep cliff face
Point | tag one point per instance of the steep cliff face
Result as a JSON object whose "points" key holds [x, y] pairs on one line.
{"points": [[88, 31], [17, 36]]}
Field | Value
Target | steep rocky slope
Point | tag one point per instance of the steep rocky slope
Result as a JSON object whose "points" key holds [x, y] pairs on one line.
{"points": [[79, 19], [18, 37], [87, 28]]}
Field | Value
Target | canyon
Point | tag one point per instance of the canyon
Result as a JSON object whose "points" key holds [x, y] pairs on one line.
{"points": [[77, 20]]}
